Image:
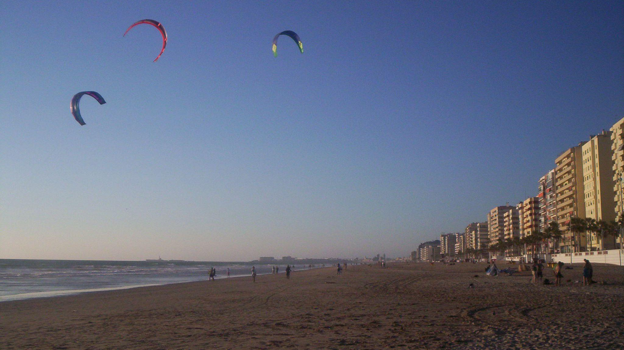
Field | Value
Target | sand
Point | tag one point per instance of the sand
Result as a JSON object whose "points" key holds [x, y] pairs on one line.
{"points": [[404, 306]]}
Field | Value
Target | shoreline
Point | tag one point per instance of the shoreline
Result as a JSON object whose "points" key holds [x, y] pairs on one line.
{"points": [[45, 279], [409, 306], [70, 292]]}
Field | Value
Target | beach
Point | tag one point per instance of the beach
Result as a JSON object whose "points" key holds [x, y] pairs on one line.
{"points": [[402, 306]]}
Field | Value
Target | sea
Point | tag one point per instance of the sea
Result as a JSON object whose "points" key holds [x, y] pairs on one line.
{"points": [[27, 279]]}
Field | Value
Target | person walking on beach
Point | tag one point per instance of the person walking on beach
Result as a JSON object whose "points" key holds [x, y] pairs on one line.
{"points": [[339, 269], [558, 275], [228, 272], [212, 274], [288, 271], [588, 272], [253, 273], [534, 271]]}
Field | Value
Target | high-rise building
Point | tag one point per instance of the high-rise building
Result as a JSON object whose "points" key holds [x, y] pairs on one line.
{"points": [[447, 244], [570, 196], [598, 186], [460, 243], [529, 219], [430, 251], [471, 235], [511, 223], [482, 237], [530, 216], [496, 224], [547, 200], [617, 147]]}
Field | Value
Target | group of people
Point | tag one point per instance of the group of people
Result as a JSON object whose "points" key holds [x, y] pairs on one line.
{"points": [[212, 273], [274, 269], [538, 272]]}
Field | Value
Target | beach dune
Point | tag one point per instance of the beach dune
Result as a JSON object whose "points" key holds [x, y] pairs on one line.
{"points": [[402, 306]]}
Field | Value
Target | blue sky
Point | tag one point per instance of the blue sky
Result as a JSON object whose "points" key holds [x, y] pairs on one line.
{"points": [[400, 121]]}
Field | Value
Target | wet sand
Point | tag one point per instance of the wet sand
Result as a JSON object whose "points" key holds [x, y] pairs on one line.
{"points": [[404, 306]]}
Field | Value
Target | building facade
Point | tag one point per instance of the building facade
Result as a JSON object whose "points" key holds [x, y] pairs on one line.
{"points": [[496, 224], [483, 237], [617, 147], [598, 187], [430, 252], [570, 196], [530, 217], [447, 244], [547, 200], [471, 235], [511, 223], [460, 244]]}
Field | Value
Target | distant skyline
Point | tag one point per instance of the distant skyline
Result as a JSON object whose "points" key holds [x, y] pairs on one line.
{"points": [[400, 121]]}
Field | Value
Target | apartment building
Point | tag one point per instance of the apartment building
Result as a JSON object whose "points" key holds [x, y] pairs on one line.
{"points": [[471, 235], [429, 252], [547, 200], [570, 196], [460, 243], [530, 218], [617, 147], [496, 224], [482, 237], [511, 222], [598, 186], [447, 244]]}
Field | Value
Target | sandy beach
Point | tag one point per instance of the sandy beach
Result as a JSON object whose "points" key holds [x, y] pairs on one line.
{"points": [[402, 306]]}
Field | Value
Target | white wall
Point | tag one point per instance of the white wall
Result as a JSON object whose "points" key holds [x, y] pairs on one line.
{"points": [[613, 257]]}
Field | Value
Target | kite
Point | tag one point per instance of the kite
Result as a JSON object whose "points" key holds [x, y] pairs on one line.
{"points": [[158, 26], [291, 34], [75, 111]]}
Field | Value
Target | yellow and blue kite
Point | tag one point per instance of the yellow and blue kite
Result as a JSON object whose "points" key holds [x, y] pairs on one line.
{"points": [[291, 34]]}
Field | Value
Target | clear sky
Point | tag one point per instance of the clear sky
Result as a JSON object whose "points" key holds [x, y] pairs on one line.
{"points": [[401, 120]]}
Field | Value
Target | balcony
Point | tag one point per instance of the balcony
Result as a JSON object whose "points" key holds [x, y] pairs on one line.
{"points": [[563, 204], [562, 189], [563, 212], [562, 171], [569, 195], [567, 159], [564, 177]]}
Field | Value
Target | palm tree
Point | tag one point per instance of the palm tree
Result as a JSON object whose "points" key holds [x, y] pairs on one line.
{"points": [[471, 253], [547, 235], [532, 239], [516, 243], [509, 244], [605, 230], [498, 247], [592, 227], [553, 232], [539, 237], [577, 226], [494, 247]]}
